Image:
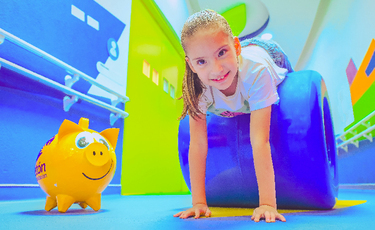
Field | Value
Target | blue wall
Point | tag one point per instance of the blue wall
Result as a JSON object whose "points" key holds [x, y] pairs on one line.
{"points": [[28, 120], [31, 113], [357, 166]]}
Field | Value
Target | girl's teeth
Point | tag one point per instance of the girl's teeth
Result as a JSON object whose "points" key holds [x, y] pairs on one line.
{"points": [[220, 78]]}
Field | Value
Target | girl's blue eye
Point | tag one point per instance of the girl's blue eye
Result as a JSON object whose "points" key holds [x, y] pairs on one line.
{"points": [[201, 62], [222, 52]]}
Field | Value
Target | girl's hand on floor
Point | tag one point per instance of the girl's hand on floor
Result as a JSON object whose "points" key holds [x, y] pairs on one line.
{"points": [[268, 213], [196, 211]]}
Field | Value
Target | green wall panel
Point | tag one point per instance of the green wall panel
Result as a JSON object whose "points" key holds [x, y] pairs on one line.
{"points": [[236, 17], [150, 154]]}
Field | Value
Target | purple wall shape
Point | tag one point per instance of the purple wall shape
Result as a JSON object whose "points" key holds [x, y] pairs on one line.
{"points": [[351, 71]]}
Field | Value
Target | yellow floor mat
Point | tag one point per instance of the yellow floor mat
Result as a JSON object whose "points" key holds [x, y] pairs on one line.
{"points": [[230, 212]]}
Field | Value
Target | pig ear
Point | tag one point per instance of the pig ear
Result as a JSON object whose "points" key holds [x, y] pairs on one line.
{"points": [[68, 127], [111, 135]]}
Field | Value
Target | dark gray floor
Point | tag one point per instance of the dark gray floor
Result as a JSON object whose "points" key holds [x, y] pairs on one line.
{"points": [[155, 212]]}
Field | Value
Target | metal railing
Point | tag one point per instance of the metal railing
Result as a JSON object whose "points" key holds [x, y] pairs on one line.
{"points": [[343, 143], [69, 79]]}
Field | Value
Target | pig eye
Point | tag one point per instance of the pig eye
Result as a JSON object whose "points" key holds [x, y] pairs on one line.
{"points": [[104, 143], [99, 138], [83, 140]]}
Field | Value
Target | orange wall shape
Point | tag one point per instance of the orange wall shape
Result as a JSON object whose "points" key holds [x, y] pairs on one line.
{"points": [[362, 82]]}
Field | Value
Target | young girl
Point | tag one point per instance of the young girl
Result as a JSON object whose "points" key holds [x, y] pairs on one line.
{"points": [[227, 81]]}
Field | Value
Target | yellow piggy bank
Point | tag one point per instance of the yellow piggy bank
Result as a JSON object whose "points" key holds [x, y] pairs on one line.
{"points": [[76, 165]]}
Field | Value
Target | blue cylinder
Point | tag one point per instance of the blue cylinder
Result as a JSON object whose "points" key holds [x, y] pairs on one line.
{"points": [[303, 150]]}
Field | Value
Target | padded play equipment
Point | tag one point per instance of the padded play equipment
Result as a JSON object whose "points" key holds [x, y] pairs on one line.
{"points": [[302, 145]]}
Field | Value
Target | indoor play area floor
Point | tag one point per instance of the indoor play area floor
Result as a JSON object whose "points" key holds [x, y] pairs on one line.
{"points": [[355, 210]]}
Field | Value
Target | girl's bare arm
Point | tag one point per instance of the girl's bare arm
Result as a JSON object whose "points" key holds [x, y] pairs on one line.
{"points": [[259, 137], [197, 165], [197, 159]]}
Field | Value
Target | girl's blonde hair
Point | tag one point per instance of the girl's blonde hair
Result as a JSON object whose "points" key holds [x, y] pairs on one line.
{"points": [[192, 87]]}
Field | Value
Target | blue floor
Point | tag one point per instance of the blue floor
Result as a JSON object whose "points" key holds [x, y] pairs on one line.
{"points": [[155, 212]]}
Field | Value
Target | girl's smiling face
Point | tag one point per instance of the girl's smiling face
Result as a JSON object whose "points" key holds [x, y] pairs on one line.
{"points": [[212, 55]]}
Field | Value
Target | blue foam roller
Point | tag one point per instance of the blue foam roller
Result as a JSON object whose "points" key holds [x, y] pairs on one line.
{"points": [[303, 150]]}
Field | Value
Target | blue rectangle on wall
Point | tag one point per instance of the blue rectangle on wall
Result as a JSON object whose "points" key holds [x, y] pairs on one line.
{"points": [[371, 65], [74, 31]]}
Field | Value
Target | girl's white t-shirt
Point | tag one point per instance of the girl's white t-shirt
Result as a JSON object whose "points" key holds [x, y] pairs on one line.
{"points": [[258, 79]]}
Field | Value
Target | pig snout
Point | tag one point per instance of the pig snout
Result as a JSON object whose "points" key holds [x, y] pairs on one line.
{"points": [[97, 154]]}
